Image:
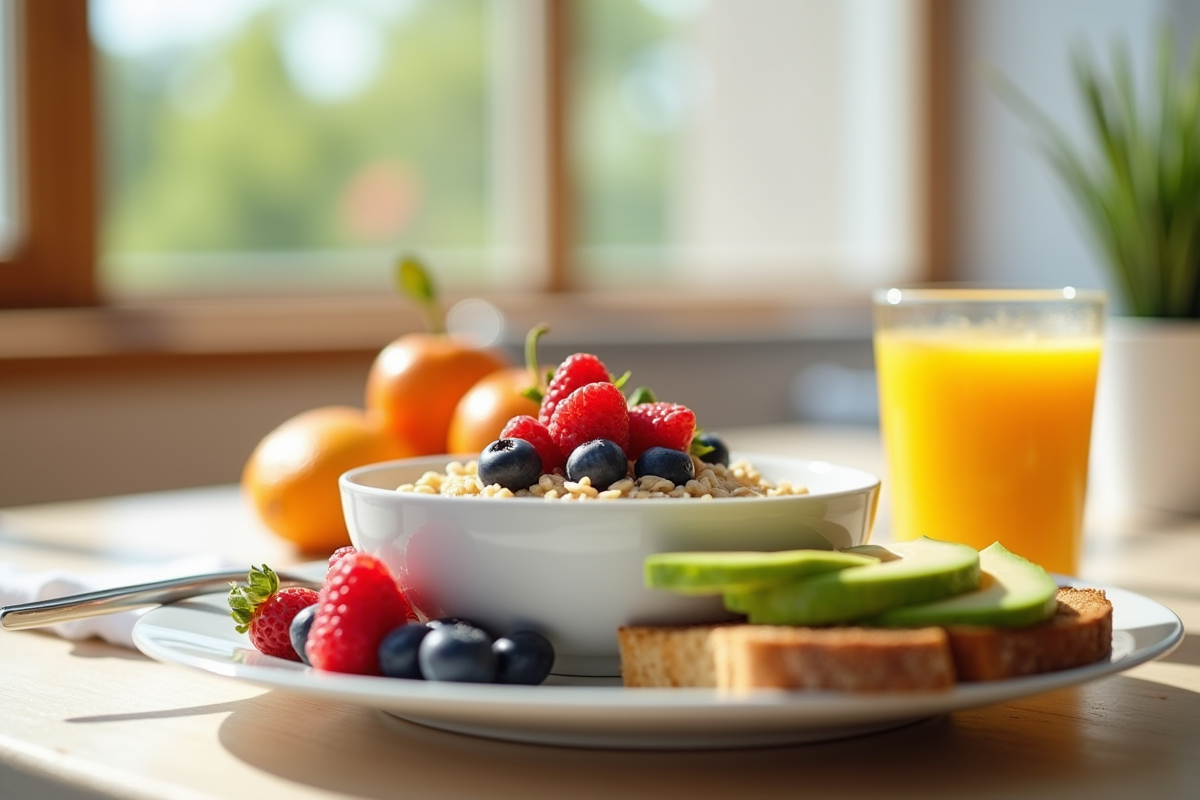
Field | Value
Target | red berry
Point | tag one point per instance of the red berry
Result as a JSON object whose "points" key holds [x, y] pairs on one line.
{"points": [[265, 611], [593, 411], [576, 371], [660, 425], [337, 555], [531, 430], [359, 603]]}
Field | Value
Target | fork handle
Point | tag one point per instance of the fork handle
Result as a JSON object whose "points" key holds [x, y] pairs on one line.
{"points": [[40, 613]]}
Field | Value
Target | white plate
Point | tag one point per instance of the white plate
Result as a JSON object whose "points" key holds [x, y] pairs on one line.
{"points": [[199, 633]]}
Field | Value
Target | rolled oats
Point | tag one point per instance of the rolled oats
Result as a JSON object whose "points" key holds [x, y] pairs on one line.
{"points": [[739, 479]]}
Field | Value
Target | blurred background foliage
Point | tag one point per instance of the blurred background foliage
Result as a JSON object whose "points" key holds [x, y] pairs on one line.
{"points": [[280, 137], [233, 144]]}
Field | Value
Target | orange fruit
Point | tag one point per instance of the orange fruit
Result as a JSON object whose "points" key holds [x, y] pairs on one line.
{"points": [[416, 382], [291, 477], [487, 406]]}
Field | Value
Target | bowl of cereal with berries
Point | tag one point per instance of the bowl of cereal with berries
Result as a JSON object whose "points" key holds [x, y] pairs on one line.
{"points": [[547, 529]]}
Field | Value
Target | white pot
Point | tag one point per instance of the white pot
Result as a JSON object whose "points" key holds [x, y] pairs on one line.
{"points": [[1146, 436]]}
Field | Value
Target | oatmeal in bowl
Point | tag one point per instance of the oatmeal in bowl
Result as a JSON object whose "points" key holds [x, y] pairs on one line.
{"points": [[572, 570], [710, 481], [548, 527]]}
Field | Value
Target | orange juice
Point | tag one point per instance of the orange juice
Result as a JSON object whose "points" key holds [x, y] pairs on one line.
{"points": [[987, 438]]}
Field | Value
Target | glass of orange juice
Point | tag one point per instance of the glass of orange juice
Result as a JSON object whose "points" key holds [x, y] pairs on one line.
{"points": [[985, 400]]}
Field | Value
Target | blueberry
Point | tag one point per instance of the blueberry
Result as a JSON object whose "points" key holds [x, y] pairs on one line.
{"points": [[601, 460], [298, 631], [524, 657], [719, 453], [440, 621], [674, 465], [457, 652], [512, 463], [398, 651]]}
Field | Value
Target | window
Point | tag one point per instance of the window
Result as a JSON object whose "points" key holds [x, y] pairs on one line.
{"points": [[260, 145], [285, 146], [9, 175], [771, 139], [52, 254]]}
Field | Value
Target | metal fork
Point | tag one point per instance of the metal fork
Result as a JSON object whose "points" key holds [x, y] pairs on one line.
{"points": [[40, 613]]}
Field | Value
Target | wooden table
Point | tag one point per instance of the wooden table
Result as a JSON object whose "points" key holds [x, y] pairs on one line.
{"points": [[86, 720]]}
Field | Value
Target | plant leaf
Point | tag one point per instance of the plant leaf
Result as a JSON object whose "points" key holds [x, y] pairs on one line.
{"points": [[415, 283], [1139, 191]]}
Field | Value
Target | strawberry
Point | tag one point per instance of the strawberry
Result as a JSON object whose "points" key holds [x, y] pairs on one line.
{"points": [[266, 611], [593, 411], [359, 604], [577, 370], [660, 425], [531, 430]]}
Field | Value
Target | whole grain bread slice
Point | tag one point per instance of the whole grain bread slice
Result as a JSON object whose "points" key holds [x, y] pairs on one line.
{"points": [[669, 655], [741, 657], [840, 659], [1079, 633]]}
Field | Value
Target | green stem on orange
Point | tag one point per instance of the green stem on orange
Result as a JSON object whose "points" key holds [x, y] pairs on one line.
{"points": [[415, 283], [537, 390]]}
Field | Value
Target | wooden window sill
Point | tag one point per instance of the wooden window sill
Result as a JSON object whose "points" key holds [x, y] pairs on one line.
{"points": [[300, 325]]}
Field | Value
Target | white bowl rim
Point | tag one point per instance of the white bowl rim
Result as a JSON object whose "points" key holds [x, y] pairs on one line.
{"points": [[864, 481]]}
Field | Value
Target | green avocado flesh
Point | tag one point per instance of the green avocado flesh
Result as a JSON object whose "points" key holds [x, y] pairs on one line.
{"points": [[716, 572], [919, 571], [1013, 592]]}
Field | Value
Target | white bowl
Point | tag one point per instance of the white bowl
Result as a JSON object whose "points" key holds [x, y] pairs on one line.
{"points": [[573, 570]]}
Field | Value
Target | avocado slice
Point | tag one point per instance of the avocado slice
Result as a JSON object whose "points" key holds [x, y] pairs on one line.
{"points": [[716, 572], [1012, 592], [918, 571]]}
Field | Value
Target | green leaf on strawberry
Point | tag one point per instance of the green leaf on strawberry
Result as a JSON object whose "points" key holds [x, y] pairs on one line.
{"points": [[262, 582], [265, 612]]}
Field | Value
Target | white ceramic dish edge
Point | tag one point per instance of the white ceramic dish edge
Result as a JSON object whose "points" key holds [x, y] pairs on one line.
{"points": [[586, 713]]}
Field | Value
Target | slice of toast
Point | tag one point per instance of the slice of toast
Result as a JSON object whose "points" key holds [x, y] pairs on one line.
{"points": [[840, 659], [669, 655], [740, 657], [1079, 633], [737, 657]]}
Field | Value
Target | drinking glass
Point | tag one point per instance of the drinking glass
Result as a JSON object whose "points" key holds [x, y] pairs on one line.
{"points": [[986, 402]]}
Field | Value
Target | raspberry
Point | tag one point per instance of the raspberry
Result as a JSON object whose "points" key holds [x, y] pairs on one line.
{"points": [[537, 434], [337, 555], [593, 411], [359, 603], [667, 425], [576, 371], [265, 611]]}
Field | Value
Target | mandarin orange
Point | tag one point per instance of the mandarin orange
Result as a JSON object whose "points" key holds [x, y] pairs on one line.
{"points": [[416, 382], [291, 477], [485, 409]]}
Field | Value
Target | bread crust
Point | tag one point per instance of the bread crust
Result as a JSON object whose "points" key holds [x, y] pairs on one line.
{"points": [[739, 657], [1079, 633]]}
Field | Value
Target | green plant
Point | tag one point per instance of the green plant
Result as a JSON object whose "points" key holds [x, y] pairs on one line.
{"points": [[1138, 185]]}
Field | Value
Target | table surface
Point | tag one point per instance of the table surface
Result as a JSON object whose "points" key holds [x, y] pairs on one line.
{"points": [[87, 719]]}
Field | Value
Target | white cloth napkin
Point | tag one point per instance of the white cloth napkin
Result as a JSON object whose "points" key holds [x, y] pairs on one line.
{"points": [[24, 586]]}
